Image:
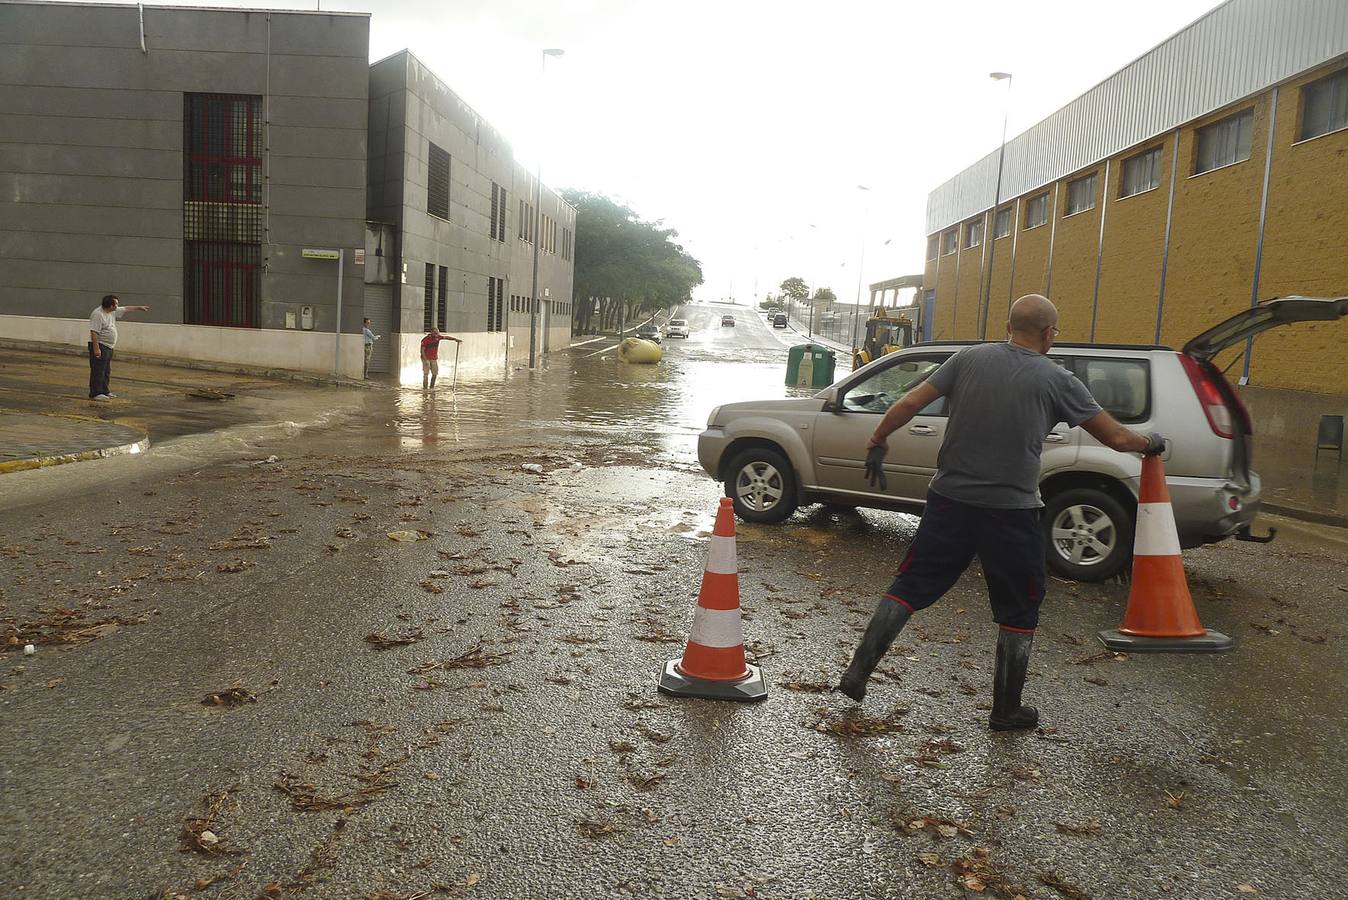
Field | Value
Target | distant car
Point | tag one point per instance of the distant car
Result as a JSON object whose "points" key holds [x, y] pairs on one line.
{"points": [[779, 320], [728, 320], [649, 332], [677, 328]]}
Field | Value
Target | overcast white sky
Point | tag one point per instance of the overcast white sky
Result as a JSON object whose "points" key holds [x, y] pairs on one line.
{"points": [[742, 123]]}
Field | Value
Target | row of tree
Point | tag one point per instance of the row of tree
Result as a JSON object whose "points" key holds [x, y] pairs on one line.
{"points": [[625, 267], [796, 290]]}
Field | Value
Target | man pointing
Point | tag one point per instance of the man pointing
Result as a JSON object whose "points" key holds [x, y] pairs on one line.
{"points": [[984, 500]]}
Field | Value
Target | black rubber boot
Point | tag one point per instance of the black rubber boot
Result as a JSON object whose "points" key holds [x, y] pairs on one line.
{"points": [[888, 620], [1013, 659]]}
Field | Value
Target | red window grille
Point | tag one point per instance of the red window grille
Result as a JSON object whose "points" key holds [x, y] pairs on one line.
{"points": [[223, 152], [223, 284]]}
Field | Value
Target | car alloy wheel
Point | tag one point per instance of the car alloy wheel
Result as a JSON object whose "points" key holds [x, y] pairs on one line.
{"points": [[1084, 535], [762, 484], [759, 486]]}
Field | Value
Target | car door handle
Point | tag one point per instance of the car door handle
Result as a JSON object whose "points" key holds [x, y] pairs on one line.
{"points": [[922, 429], [1054, 437]]}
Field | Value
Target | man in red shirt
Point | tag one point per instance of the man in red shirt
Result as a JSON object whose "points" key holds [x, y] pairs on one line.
{"points": [[430, 356]]}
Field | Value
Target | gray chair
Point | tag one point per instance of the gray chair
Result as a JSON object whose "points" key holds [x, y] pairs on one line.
{"points": [[1330, 436]]}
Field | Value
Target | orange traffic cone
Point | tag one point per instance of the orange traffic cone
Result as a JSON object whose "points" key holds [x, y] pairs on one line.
{"points": [[1161, 617], [713, 665]]}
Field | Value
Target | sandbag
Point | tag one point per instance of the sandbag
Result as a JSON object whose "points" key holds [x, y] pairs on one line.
{"points": [[635, 350]]}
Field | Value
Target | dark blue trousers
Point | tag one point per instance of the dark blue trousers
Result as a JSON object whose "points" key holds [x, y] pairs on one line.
{"points": [[100, 368], [1009, 544]]}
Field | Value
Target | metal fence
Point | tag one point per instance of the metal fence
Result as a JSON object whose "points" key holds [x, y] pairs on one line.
{"points": [[838, 322]]}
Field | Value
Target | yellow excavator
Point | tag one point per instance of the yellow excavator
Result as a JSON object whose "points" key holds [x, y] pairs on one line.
{"points": [[883, 335]]}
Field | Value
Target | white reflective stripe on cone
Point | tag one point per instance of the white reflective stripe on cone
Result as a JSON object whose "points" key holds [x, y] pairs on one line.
{"points": [[721, 555], [1156, 534], [717, 628]]}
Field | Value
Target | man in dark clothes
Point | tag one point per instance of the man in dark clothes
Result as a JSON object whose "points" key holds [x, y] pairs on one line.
{"points": [[984, 499]]}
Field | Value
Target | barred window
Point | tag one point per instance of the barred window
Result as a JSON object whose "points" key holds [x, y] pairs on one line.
{"points": [[1225, 142], [495, 208], [224, 148], [428, 305], [949, 242], [442, 298], [223, 283], [501, 216], [1141, 173], [437, 183], [495, 303], [1324, 106], [973, 234]]}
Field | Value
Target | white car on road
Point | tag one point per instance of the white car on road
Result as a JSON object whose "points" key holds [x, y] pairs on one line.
{"points": [[677, 328]]}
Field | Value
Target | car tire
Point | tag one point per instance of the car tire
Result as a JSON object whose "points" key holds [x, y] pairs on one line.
{"points": [[762, 485], [1088, 535]]}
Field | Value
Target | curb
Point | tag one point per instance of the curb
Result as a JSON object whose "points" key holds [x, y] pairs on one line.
{"points": [[1304, 515], [43, 462]]}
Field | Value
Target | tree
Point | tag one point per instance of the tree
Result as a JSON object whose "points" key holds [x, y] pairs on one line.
{"points": [[824, 295], [795, 289], [625, 265]]}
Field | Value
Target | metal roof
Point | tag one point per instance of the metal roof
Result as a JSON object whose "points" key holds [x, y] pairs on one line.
{"points": [[1238, 49]]}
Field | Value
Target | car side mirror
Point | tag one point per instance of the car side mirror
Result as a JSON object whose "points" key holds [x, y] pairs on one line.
{"points": [[832, 402]]}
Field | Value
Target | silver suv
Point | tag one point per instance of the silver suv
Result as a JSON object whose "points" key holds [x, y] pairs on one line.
{"points": [[775, 455]]}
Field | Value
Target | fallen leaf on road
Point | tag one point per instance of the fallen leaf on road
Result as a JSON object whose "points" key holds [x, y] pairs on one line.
{"points": [[621, 746], [940, 827], [1067, 889], [1174, 800], [237, 566], [858, 725], [472, 879], [808, 687], [591, 828], [407, 537], [476, 658], [232, 696], [1247, 888], [930, 860], [201, 834], [381, 642], [431, 587]]}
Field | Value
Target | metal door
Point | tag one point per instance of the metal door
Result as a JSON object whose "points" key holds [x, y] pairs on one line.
{"points": [[379, 310]]}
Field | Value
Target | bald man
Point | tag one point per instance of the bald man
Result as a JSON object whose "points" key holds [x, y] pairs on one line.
{"points": [[984, 500]]}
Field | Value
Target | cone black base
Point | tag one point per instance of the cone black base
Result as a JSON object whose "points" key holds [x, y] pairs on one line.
{"points": [[1212, 642], [747, 690]]}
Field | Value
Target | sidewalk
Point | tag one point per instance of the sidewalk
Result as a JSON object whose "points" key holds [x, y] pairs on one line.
{"points": [[46, 417]]}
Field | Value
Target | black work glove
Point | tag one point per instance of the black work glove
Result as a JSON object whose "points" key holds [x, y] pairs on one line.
{"points": [[1155, 444], [875, 467]]}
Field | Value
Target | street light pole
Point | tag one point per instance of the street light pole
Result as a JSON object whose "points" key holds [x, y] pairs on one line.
{"points": [[538, 223], [996, 199], [856, 307]]}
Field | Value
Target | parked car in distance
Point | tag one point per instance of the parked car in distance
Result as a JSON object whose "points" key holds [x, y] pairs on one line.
{"points": [[677, 328], [649, 332], [728, 319], [774, 455], [779, 320]]}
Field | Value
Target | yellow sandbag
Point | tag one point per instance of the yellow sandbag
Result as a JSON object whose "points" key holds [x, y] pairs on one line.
{"points": [[635, 350]]}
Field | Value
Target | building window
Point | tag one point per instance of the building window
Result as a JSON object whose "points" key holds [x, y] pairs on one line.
{"points": [[1036, 211], [1324, 106], [437, 183], [1080, 195], [526, 226], [973, 234], [1225, 142], [933, 246], [428, 304], [495, 303], [949, 242], [223, 283], [222, 209], [498, 212], [442, 298], [1001, 225], [1141, 173], [566, 243]]}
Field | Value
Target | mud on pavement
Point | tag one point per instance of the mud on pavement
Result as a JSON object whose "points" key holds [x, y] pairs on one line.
{"points": [[244, 686]]}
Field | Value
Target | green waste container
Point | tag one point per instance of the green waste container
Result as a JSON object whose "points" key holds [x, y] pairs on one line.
{"points": [[810, 365]]}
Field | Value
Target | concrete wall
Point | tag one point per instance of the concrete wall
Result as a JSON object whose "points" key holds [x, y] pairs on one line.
{"points": [[409, 109], [91, 192], [1211, 256]]}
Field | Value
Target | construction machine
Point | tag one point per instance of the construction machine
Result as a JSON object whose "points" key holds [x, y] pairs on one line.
{"points": [[887, 331]]}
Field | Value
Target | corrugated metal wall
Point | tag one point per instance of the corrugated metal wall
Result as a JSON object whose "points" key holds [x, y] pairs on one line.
{"points": [[1238, 49]]}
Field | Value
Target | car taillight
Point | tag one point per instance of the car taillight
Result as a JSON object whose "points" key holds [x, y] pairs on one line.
{"points": [[1209, 396]]}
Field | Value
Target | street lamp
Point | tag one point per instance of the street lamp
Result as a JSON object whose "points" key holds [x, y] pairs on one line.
{"points": [[996, 199], [538, 224], [856, 306]]}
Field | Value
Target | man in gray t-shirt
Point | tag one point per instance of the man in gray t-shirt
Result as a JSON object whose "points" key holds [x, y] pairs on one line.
{"points": [[984, 500], [102, 340]]}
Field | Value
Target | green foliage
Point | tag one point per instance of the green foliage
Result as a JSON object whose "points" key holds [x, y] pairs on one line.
{"points": [[635, 262], [824, 295], [795, 289]]}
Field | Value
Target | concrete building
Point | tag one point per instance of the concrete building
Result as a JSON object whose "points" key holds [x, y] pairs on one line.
{"points": [[203, 161], [1209, 174], [460, 212]]}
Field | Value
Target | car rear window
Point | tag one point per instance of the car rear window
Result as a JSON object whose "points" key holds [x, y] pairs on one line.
{"points": [[677, 322], [1121, 386]]}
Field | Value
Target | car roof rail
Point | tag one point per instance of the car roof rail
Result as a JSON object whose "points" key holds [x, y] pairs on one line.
{"points": [[1078, 345]]}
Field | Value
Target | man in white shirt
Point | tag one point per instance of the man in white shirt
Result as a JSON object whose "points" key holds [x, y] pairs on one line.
{"points": [[102, 338]]}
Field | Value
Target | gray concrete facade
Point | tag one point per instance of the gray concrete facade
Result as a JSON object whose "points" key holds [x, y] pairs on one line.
{"points": [[409, 110], [92, 168]]}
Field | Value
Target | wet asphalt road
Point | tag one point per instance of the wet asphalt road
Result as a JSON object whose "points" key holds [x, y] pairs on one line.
{"points": [[515, 745]]}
